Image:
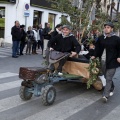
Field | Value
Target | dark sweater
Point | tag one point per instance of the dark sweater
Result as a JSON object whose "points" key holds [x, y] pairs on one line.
{"points": [[23, 35], [53, 34], [112, 46], [67, 44], [90, 54], [45, 33], [16, 33]]}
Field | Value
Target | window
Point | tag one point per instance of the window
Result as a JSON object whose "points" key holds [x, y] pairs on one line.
{"points": [[37, 18], [51, 20], [2, 21]]}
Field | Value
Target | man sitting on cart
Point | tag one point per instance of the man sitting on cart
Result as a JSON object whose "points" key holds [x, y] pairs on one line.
{"points": [[65, 42]]}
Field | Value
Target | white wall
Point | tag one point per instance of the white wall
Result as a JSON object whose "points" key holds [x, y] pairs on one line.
{"points": [[15, 12], [9, 20]]}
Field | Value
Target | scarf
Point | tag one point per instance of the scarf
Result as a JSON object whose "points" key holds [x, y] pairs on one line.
{"points": [[108, 35], [67, 36]]}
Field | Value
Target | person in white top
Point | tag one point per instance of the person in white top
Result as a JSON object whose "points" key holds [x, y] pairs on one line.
{"points": [[34, 41]]}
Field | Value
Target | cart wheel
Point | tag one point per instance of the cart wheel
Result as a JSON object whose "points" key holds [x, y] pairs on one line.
{"points": [[24, 94], [48, 95]]}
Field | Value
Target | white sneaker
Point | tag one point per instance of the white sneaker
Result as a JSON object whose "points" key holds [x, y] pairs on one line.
{"points": [[60, 73], [111, 94], [105, 99]]}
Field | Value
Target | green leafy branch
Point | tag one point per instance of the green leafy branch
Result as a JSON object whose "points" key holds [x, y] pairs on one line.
{"points": [[93, 69]]}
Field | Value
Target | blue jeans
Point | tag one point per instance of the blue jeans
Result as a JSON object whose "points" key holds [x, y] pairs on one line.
{"points": [[15, 48]]}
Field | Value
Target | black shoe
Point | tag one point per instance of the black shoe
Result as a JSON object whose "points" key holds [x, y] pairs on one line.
{"points": [[52, 71], [15, 56], [21, 53]]}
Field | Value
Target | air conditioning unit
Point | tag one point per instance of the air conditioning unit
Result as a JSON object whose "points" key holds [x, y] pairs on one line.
{"points": [[12, 1]]}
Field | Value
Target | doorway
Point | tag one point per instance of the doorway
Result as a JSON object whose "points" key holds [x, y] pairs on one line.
{"points": [[2, 22], [37, 18]]}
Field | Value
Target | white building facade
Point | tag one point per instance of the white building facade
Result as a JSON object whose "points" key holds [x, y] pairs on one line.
{"points": [[106, 6], [39, 11]]}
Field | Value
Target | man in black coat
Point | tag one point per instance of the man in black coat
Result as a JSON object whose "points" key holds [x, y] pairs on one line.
{"points": [[108, 49], [16, 37], [57, 30], [65, 42]]}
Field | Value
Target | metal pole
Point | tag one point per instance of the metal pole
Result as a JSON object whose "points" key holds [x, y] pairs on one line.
{"points": [[117, 14], [111, 9], [118, 6], [26, 23]]}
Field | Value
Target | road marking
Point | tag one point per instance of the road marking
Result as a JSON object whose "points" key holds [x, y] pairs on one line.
{"points": [[5, 53], [10, 85], [67, 108], [11, 102], [3, 56], [7, 74], [113, 115]]}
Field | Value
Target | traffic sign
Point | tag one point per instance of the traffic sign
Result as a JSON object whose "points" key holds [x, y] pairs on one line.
{"points": [[27, 6], [26, 13]]}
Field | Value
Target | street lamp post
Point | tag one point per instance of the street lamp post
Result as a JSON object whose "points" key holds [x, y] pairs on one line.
{"points": [[118, 4], [111, 9]]}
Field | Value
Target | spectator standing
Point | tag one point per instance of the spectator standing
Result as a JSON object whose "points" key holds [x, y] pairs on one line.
{"points": [[57, 30], [30, 38], [47, 36], [34, 42], [16, 37], [23, 39], [40, 37]]}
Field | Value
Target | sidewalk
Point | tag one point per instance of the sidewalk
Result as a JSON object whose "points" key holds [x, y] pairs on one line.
{"points": [[6, 45]]}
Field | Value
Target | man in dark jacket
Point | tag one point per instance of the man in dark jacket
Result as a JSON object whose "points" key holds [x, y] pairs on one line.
{"points": [[108, 49], [65, 42], [23, 39], [16, 37], [56, 31]]}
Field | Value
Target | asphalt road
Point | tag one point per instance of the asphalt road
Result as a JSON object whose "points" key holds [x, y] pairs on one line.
{"points": [[73, 100]]}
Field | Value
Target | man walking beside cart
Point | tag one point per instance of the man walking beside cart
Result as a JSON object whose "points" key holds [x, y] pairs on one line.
{"points": [[108, 49]]}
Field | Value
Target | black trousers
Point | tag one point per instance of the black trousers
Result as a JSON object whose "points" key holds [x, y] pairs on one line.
{"points": [[40, 44], [61, 64], [34, 45], [22, 45]]}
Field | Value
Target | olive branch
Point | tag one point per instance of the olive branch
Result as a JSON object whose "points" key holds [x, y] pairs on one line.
{"points": [[94, 70]]}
